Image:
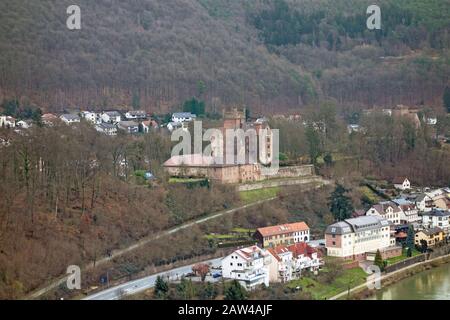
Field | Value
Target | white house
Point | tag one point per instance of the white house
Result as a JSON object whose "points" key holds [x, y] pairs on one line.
{"points": [[281, 264], [92, 117], [70, 118], [305, 257], [111, 117], [247, 265], [129, 126], [25, 124], [431, 121], [175, 125], [423, 202], [387, 210], [437, 218], [107, 128], [183, 117], [136, 115], [409, 209], [401, 183], [7, 122]]}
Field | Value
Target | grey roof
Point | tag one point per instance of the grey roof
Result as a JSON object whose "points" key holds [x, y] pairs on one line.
{"points": [[113, 113], [127, 124], [437, 213], [106, 125], [432, 231], [357, 224], [184, 115], [70, 116]]}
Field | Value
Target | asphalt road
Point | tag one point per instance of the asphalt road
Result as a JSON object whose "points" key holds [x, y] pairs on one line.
{"points": [[136, 286]]}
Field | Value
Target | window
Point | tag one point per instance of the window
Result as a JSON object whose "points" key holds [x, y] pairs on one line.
{"points": [[334, 243], [231, 263]]}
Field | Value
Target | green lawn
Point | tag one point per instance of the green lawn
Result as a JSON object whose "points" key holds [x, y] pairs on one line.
{"points": [[259, 194], [320, 291], [402, 257]]}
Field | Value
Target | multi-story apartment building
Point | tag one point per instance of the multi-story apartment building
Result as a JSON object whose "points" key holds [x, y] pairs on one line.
{"points": [[247, 265], [285, 234], [356, 238], [437, 218], [410, 212]]}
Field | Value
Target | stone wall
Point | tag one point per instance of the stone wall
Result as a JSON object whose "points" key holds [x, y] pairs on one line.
{"points": [[295, 171]]}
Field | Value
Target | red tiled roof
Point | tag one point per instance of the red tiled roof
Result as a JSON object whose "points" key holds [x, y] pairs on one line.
{"points": [[302, 248], [283, 228]]}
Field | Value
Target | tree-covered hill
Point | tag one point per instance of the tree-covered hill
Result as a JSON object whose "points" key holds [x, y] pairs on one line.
{"points": [[271, 55]]}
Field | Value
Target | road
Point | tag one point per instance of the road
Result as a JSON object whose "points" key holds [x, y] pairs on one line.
{"points": [[139, 285], [116, 253]]}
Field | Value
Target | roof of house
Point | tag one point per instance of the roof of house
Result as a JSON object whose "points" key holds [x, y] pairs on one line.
{"points": [[399, 180], [358, 213], [283, 228], [127, 124], [281, 249], [70, 116], [437, 213], [193, 160], [106, 126], [184, 115], [250, 253], [302, 248], [383, 206], [432, 231], [112, 113], [48, 116], [357, 224], [137, 113]]}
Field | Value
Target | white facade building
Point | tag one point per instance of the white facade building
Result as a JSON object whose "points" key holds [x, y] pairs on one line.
{"points": [[354, 238], [248, 265], [183, 117], [437, 218], [111, 117], [70, 118], [387, 210]]}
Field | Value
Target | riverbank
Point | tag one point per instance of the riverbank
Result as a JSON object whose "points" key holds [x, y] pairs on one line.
{"points": [[399, 275]]}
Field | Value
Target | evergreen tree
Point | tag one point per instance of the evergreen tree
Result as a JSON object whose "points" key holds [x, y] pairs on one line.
{"points": [[185, 289], [161, 288], [136, 103], [340, 204], [410, 238], [447, 98], [379, 260], [235, 291]]}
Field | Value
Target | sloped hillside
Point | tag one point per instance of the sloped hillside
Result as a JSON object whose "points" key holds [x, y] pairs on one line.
{"points": [[270, 55]]}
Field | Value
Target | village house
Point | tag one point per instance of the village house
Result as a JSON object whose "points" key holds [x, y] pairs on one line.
{"points": [[437, 218], [281, 266], [305, 257], [285, 234], [171, 126], [128, 126], [432, 236], [179, 117], [148, 124], [409, 209], [360, 238], [111, 117], [248, 265], [422, 202], [136, 115], [24, 124], [7, 122], [387, 210], [92, 117], [107, 128], [70, 118], [49, 119], [401, 183]]}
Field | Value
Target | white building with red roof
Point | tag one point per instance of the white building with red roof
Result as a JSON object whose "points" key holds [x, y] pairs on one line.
{"points": [[286, 234]]}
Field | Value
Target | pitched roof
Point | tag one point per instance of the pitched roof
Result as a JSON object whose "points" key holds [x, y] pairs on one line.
{"points": [[432, 231], [302, 248], [283, 228], [399, 180]]}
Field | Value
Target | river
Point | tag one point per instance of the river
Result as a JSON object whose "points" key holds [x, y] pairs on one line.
{"points": [[433, 284]]}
